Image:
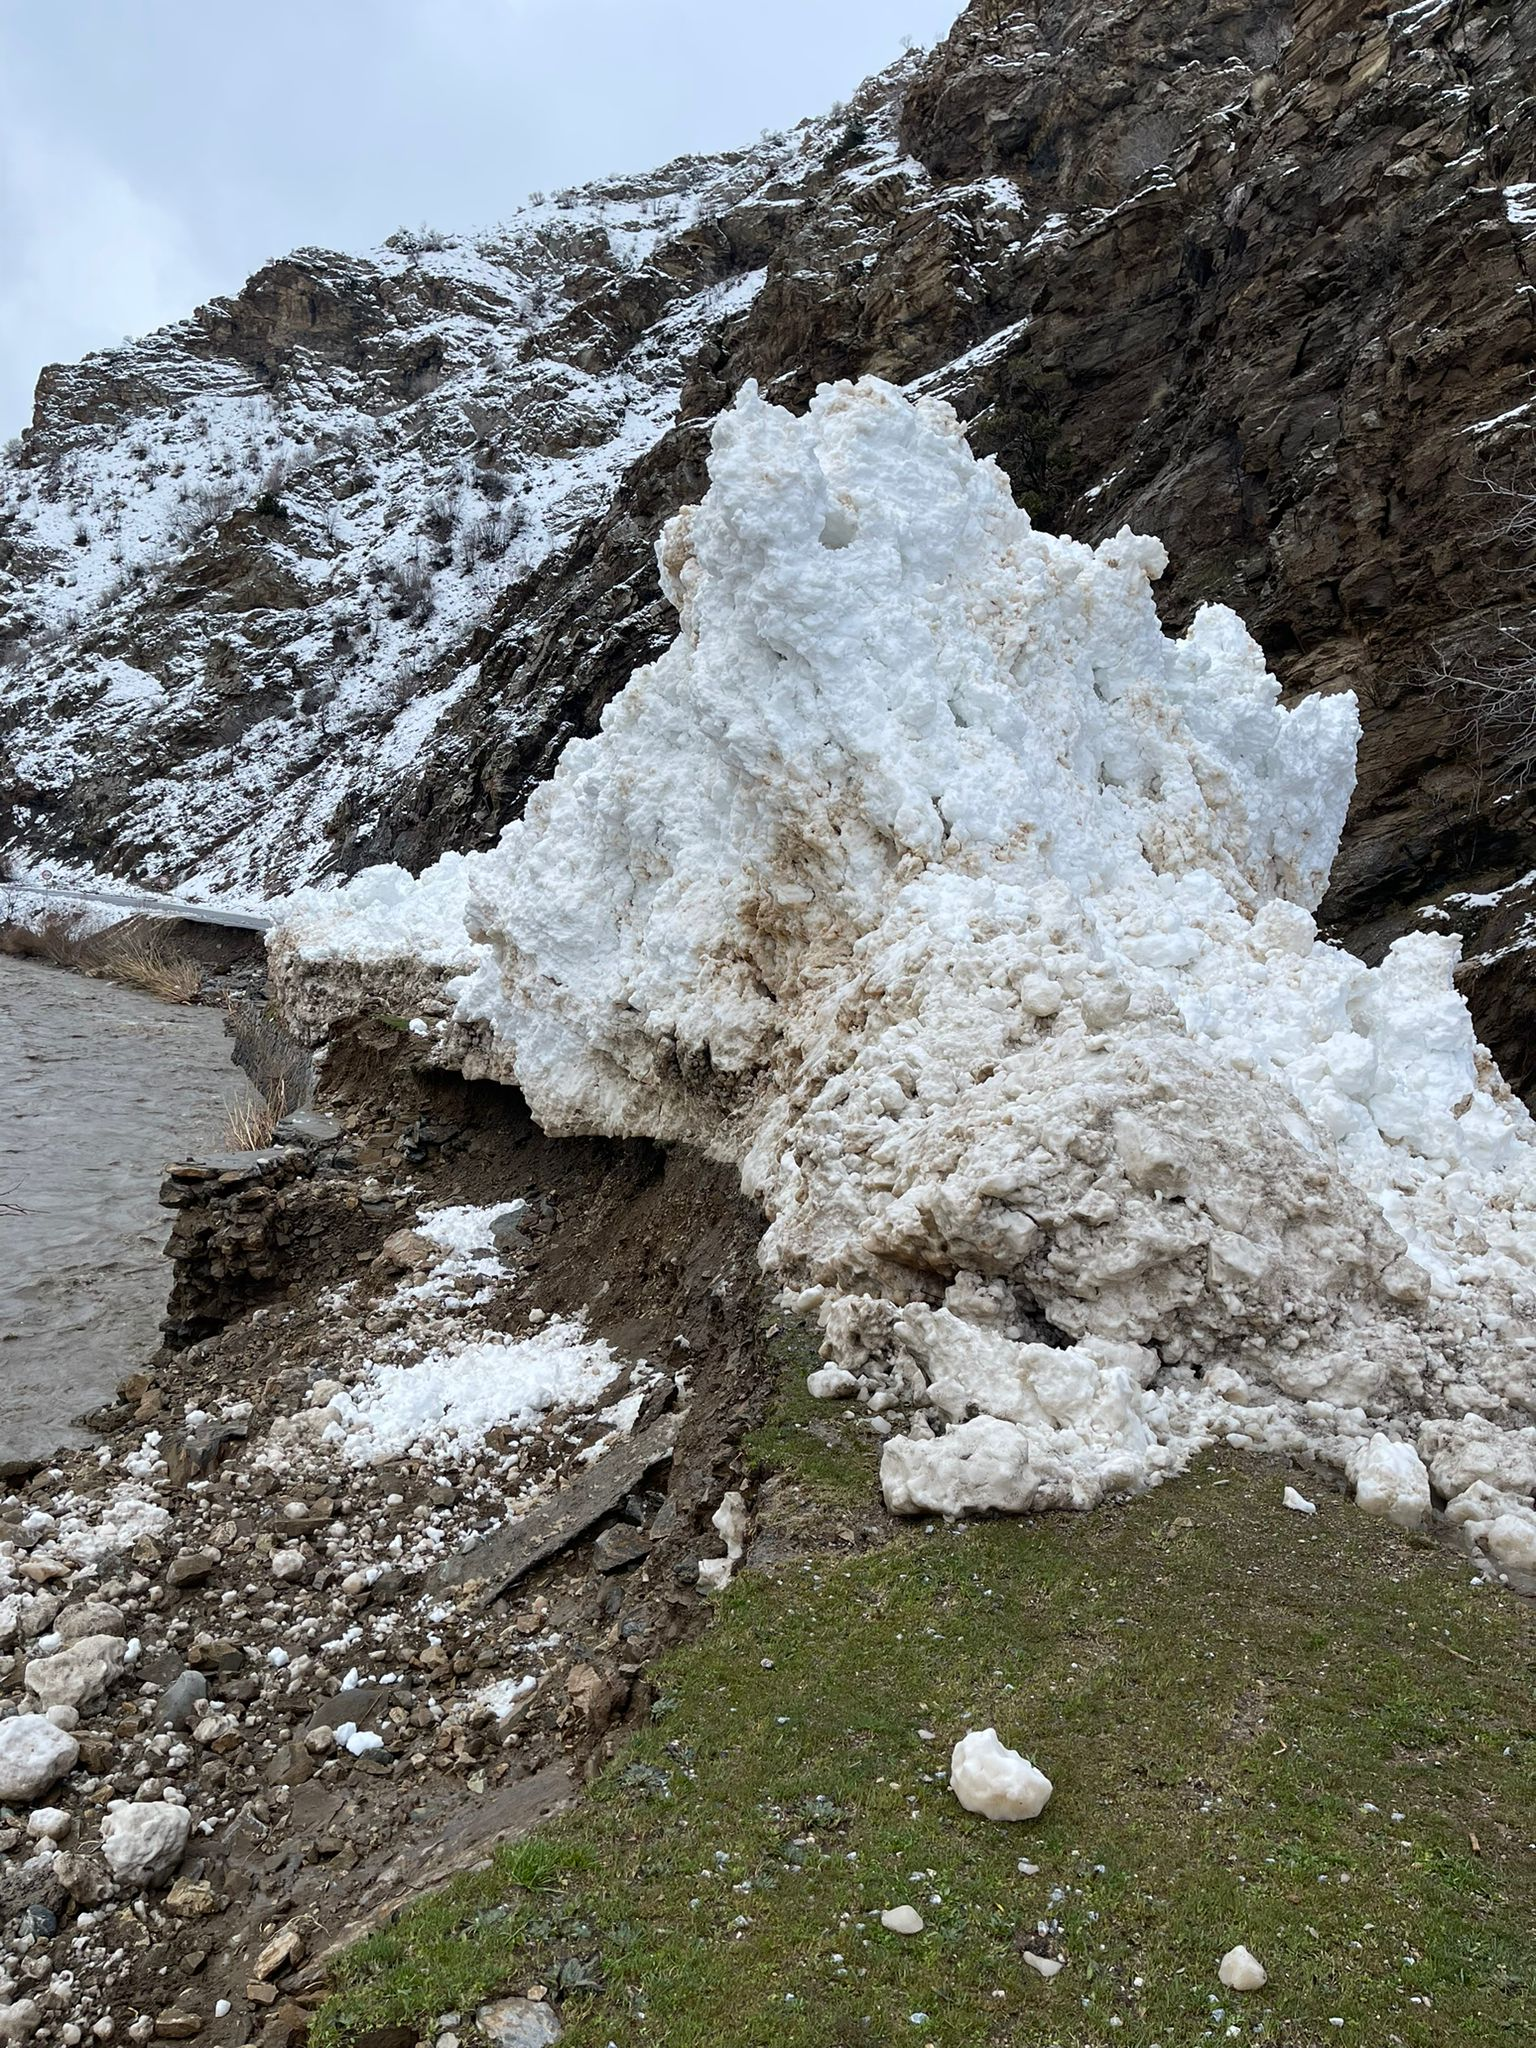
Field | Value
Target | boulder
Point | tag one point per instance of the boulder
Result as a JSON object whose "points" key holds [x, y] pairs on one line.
{"points": [[34, 1755], [20, 2021], [77, 1674], [90, 1618], [519, 2023], [144, 1842]]}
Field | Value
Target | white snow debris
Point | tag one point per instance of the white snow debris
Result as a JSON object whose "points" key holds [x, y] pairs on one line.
{"points": [[1390, 1480], [441, 1406], [1043, 1966], [928, 880], [730, 1523], [902, 1920], [465, 1228], [1292, 1499], [503, 1694], [1240, 1971], [990, 1779], [831, 1383]]}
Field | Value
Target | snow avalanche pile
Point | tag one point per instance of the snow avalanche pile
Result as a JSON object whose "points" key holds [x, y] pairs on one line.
{"points": [[928, 879]]}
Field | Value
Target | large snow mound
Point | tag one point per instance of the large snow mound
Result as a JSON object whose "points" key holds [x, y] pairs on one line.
{"points": [[925, 876]]}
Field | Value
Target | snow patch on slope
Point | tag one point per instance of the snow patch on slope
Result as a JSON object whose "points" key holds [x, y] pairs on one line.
{"points": [[441, 1406], [929, 880]]}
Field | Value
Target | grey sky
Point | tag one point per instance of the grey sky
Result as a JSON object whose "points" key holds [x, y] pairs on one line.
{"points": [[155, 152]]}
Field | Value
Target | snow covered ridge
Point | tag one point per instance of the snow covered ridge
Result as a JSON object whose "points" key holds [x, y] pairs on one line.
{"points": [[241, 558], [925, 877]]}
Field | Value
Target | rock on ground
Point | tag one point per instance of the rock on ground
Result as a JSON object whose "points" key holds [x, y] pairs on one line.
{"points": [[34, 1755], [144, 1842]]}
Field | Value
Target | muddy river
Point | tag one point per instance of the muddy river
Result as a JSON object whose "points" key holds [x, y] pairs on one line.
{"points": [[99, 1087]]}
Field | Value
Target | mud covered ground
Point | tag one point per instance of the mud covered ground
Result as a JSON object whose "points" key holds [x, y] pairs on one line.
{"points": [[228, 1591]]}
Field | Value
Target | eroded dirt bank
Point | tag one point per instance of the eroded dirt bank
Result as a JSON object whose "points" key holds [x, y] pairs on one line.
{"points": [[253, 1605], [99, 1085]]}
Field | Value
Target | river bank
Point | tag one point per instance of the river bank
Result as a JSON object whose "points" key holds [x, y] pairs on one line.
{"points": [[372, 1556]]}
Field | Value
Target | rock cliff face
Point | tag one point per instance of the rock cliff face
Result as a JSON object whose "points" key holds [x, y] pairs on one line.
{"points": [[327, 574]]}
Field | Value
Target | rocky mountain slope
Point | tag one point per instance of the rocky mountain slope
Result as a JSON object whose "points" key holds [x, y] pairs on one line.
{"points": [[328, 573]]}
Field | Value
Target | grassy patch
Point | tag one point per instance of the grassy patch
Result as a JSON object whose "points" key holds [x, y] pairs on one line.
{"points": [[1312, 1736]]}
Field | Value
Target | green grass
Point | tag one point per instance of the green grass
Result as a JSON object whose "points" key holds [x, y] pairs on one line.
{"points": [[1312, 1736]]}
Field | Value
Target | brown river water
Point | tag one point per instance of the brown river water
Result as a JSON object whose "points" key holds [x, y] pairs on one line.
{"points": [[100, 1087]]}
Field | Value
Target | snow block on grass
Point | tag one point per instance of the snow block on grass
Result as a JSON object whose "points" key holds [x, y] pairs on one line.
{"points": [[990, 1779], [929, 880], [1390, 1480], [1240, 1970]]}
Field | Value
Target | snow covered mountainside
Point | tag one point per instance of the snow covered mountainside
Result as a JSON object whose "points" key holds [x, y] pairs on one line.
{"points": [[926, 879], [328, 573], [247, 555]]}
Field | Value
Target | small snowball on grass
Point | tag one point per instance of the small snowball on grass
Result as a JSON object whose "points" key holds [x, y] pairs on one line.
{"points": [[994, 1781], [831, 1383], [730, 1520], [1046, 1966], [1292, 1499], [902, 1920], [1241, 1971]]}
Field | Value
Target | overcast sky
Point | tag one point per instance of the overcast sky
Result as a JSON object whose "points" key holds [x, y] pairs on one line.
{"points": [[154, 152]]}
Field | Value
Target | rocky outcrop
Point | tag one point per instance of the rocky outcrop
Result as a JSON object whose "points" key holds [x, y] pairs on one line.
{"points": [[1257, 277]]}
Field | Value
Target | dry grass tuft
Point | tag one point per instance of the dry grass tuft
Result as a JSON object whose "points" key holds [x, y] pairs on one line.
{"points": [[144, 959], [249, 1124], [279, 1068], [58, 937], [278, 1065], [134, 953]]}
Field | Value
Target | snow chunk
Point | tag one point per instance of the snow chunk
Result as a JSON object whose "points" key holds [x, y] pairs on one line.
{"points": [[1043, 1966], [902, 1920], [1240, 1971], [1292, 1499], [929, 880], [1390, 1480], [994, 1781], [831, 1383], [730, 1524]]}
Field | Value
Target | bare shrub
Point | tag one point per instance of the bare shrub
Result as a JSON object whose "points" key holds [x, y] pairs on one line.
{"points": [[421, 241], [1489, 671], [487, 538], [408, 589], [438, 518], [1493, 683], [206, 505], [59, 937]]}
